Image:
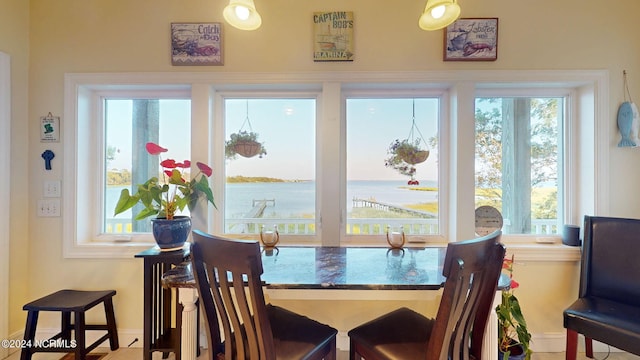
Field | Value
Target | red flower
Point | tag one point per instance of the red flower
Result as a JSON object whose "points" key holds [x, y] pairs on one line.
{"points": [[514, 284], [205, 169], [175, 193], [169, 164], [155, 149], [185, 165]]}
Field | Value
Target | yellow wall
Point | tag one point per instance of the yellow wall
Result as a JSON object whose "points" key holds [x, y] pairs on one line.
{"points": [[14, 40], [125, 36]]}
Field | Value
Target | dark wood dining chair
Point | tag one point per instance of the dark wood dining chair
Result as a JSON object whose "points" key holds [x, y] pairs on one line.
{"points": [[227, 274], [472, 269]]}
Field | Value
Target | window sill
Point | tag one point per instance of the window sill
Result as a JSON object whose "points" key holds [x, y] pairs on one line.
{"points": [[544, 252], [105, 250]]}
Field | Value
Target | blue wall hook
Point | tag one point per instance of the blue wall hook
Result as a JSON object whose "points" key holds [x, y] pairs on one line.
{"points": [[47, 156]]}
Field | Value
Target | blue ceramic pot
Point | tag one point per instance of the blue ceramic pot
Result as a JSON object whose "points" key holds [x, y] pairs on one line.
{"points": [[517, 353], [171, 234]]}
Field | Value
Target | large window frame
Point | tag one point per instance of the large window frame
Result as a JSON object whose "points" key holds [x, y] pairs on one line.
{"points": [[566, 167], [219, 138], [588, 142], [398, 91]]}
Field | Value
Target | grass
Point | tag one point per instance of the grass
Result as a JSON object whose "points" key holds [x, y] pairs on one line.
{"points": [[539, 200]]}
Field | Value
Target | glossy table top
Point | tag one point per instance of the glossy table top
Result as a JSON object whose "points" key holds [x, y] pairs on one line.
{"points": [[341, 268], [353, 268]]}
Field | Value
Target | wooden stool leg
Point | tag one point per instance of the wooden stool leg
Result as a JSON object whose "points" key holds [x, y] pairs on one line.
{"points": [[572, 345], [79, 328], [111, 324], [29, 334], [66, 326], [588, 345]]}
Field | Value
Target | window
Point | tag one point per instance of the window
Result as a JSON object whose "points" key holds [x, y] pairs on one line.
{"points": [[327, 135], [129, 125], [392, 166], [272, 185], [519, 161]]}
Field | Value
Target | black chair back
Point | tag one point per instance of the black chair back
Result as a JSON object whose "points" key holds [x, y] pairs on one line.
{"points": [[610, 259]]}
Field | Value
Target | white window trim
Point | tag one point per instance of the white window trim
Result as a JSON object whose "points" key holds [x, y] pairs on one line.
{"points": [[592, 145]]}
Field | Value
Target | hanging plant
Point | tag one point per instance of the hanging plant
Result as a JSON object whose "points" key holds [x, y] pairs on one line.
{"points": [[244, 143], [405, 154]]}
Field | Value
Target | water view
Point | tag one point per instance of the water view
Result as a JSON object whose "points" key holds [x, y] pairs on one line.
{"points": [[297, 199]]}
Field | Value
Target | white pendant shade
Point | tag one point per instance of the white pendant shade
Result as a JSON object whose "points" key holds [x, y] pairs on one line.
{"points": [[439, 14], [242, 14]]}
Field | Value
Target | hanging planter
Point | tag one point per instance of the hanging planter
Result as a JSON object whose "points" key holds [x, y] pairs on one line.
{"points": [[405, 154], [244, 143], [412, 154]]}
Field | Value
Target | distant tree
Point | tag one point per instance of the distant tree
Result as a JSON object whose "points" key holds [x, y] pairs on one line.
{"points": [[118, 177], [489, 147], [111, 153], [544, 141], [544, 152]]}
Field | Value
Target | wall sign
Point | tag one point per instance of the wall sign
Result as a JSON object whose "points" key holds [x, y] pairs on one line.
{"points": [[49, 128], [471, 40], [333, 36], [196, 44]]}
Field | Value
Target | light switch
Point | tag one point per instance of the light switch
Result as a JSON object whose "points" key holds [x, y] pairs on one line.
{"points": [[49, 207], [52, 188]]}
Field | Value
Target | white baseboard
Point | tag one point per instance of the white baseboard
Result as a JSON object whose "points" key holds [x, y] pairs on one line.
{"points": [[541, 343], [126, 337], [556, 342]]}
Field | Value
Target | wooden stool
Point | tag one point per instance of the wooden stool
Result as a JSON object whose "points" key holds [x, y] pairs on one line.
{"points": [[68, 301]]}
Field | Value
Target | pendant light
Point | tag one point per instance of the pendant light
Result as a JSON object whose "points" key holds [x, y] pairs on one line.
{"points": [[439, 14], [242, 14]]}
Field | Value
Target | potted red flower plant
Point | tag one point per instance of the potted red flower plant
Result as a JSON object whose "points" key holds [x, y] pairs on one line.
{"points": [[513, 336], [164, 197]]}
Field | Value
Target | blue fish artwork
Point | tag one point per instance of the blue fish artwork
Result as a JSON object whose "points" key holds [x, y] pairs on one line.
{"points": [[626, 116]]}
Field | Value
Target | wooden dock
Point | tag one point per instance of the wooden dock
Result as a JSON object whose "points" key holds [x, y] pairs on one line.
{"points": [[370, 203], [256, 211], [258, 207]]}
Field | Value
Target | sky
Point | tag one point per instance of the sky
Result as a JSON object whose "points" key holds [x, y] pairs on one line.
{"points": [[287, 129]]}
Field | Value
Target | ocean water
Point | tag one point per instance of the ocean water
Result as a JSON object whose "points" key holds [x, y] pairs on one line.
{"points": [[293, 199]]}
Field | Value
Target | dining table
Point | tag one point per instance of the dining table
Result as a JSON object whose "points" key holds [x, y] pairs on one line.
{"points": [[321, 272]]}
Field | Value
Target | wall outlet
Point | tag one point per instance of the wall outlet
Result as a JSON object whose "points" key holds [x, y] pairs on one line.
{"points": [[52, 188], [49, 208]]}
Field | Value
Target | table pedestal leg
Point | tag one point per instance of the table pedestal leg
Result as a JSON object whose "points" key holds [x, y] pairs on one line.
{"points": [[188, 298], [490, 341]]}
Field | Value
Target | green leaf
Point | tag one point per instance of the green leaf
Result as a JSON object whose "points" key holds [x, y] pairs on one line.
{"points": [[125, 202], [146, 212], [515, 310], [203, 186], [176, 178]]}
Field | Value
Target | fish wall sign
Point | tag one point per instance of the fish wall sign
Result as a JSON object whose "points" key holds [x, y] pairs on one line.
{"points": [[628, 124]]}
